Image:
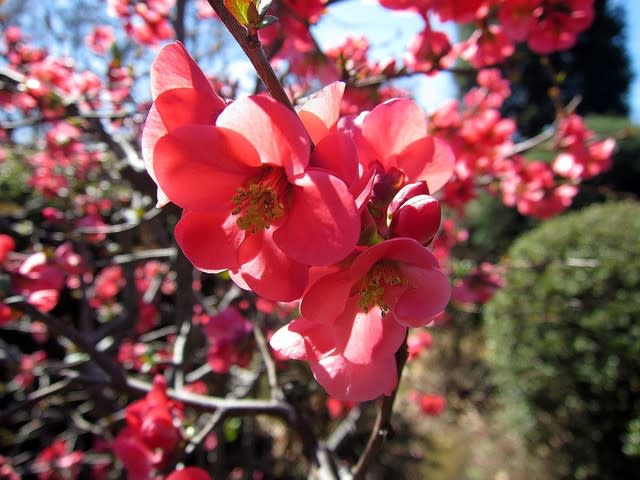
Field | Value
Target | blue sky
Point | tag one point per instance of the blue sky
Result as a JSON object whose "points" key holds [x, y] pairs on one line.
{"points": [[632, 8], [389, 33]]}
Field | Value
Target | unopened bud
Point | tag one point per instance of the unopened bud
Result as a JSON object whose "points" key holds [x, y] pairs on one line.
{"points": [[417, 218], [410, 190]]}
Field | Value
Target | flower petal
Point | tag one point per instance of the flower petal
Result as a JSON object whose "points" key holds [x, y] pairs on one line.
{"points": [[336, 287], [268, 271], [275, 132], [197, 166], [347, 381], [428, 159], [364, 336], [289, 342], [209, 240], [338, 154], [405, 250], [174, 68], [322, 224], [429, 294], [320, 113], [186, 106], [392, 126], [153, 130]]}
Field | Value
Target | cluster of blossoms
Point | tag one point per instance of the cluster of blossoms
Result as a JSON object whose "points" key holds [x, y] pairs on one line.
{"points": [[151, 437], [229, 337], [146, 21], [482, 141], [49, 84], [335, 211], [39, 277], [151, 440], [545, 25]]}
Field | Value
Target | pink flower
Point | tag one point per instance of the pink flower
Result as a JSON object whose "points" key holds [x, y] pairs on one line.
{"points": [[559, 23], [418, 342], [355, 319], [150, 437], [255, 206], [56, 462], [429, 404], [393, 137], [229, 335], [7, 245], [189, 473], [100, 39]]}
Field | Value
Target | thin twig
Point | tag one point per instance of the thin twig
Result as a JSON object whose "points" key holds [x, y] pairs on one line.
{"points": [[110, 367], [251, 46], [346, 427], [33, 398], [261, 341]]}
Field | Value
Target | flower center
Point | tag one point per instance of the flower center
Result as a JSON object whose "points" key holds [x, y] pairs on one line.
{"points": [[383, 274], [259, 203]]}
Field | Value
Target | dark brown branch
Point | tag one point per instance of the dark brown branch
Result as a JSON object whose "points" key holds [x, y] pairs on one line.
{"points": [[251, 46], [110, 367], [261, 341], [33, 398]]}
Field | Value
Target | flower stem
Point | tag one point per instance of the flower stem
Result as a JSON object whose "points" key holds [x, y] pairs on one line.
{"points": [[251, 46]]}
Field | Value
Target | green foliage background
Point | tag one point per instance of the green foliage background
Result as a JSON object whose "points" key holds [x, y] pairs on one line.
{"points": [[564, 341]]}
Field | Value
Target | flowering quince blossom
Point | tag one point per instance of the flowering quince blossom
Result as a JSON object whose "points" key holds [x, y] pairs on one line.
{"points": [[351, 341], [189, 473], [253, 201], [150, 437]]}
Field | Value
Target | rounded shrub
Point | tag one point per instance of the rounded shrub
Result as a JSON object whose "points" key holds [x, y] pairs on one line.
{"points": [[564, 342]]}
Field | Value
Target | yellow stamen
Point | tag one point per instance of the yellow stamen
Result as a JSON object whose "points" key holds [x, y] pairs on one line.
{"points": [[260, 203], [383, 274]]}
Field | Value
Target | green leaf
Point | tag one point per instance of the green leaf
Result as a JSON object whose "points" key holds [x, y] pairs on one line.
{"points": [[266, 21], [231, 429], [240, 10]]}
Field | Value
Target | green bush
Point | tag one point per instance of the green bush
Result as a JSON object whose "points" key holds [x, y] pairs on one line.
{"points": [[564, 342]]}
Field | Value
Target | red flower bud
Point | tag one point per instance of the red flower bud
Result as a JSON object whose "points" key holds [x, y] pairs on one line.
{"points": [[410, 190], [417, 218], [158, 430]]}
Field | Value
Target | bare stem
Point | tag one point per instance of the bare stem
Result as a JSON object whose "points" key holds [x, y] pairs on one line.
{"points": [[251, 46], [110, 367]]}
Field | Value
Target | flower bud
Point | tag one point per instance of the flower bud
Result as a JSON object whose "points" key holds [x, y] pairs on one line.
{"points": [[405, 193], [417, 218], [158, 430]]}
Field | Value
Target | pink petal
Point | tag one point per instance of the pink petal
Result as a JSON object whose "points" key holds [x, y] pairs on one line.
{"points": [[392, 126], [346, 381], [189, 473], [186, 106], [268, 271], [322, 225], [326, 299], [428, 159], [289, 343], [197, 167], [321, 112], [363, 336], [276, 132], [174, 68], [154, 129], [405, 250], [209, 240], [44, 300], [338, 154], [428, 295]]}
